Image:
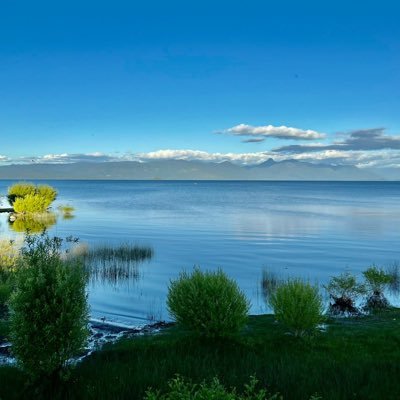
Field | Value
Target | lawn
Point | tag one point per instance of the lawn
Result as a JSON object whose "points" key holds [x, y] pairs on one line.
{"points": [[357, 358]]}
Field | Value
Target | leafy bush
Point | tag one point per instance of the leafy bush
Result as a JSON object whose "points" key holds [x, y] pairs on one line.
{"points": [[28, 198], [47, 192], [298, 305], [32, 203], [344, 291], [20, 190], [208, 303], [5, 293], [49, 310], [9, 252], [376, 281], [179, 389]]}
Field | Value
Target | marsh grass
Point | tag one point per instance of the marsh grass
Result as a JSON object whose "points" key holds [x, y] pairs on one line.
{"points": [[394, 272], [66, 211], [269, 283], [113, 264]]}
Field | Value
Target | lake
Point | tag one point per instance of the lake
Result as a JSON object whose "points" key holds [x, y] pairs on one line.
{"points": [[303, 229]]}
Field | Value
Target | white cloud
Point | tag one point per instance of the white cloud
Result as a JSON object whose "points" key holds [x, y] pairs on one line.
{"points": [[280, 132], [241, 158]]}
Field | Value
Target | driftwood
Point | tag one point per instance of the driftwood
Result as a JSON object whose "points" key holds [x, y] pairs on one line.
{"points": [[6, 210]]}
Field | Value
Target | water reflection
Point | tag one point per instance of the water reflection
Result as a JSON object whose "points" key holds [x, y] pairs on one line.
{"points": [[112, 265], [32, 223]]}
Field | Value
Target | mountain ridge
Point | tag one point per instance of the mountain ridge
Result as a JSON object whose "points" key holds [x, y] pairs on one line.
{"points": [[191, 170]]}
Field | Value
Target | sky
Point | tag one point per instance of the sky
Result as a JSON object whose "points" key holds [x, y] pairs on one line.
{"points": [[213, 80]]}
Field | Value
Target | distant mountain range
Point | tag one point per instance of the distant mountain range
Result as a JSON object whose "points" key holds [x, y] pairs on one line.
{"points": [[196, 170]]}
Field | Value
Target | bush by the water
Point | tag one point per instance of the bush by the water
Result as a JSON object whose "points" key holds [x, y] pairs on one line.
{"points": [[179, 389], [28, 198], [20, 190], [49, 311], [298, 305], [344, 290], [377, 281], [208, 303]]}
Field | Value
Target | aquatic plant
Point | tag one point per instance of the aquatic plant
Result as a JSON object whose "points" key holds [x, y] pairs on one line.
{"points": [[208, 303], [344, 290], [394, 272], [49, 311], [376, 281], [66, 209], [112, 263], [298, 305], [269, 283]]}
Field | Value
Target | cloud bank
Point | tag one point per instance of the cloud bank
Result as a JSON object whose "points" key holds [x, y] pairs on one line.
{"points": [[366, 139], [362, 148]]}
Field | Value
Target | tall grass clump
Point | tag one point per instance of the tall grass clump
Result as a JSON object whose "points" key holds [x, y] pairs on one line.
{"points": [[394, 272], [298, 305], [181, 389], [208, 303], [112, 264], [344, 290], [48, 309], [28, 198], [377, 280]]}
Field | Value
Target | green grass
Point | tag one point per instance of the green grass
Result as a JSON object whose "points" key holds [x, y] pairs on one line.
{"points": [[115, 263], [357, 358]]}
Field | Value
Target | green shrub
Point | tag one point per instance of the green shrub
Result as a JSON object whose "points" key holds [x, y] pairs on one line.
{"points": [[9, 253], [376, 281], [49, 311], [32, 203], [298, 305], [28, 198], [20, 190], [179, 389], [344, 291], [5, 293], [208, 303], [47, 192]]}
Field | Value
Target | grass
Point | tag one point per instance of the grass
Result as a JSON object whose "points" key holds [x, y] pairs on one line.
{"points": [[113, 264], [355, 358]]}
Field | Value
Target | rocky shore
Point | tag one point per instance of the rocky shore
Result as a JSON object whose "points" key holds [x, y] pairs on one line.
{"points": [[101, 333]]}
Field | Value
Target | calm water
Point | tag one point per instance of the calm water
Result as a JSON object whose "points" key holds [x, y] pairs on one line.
{"points": [[307, 229]]}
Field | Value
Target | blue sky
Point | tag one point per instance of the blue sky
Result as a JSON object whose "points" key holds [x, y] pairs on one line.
{"points": [[127, 79]]}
